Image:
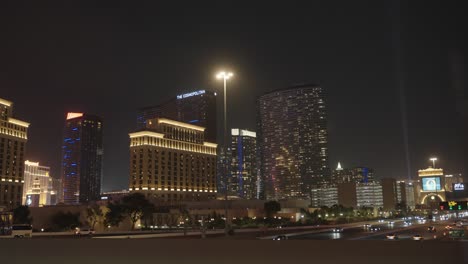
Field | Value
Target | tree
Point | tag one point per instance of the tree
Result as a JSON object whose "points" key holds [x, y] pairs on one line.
{"points": [[66, 221], [136, 205], [94, 215], [115, 215], [21, 215], [271, 208]]}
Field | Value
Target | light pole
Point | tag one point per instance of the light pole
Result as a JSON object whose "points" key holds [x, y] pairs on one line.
{"points": [[225, 76], [433, 162]]}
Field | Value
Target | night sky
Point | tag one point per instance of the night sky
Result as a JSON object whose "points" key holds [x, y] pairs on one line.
{"points": [[375, 59]]}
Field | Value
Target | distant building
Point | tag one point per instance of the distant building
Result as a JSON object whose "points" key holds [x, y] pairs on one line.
{"points": [[432, 187], [390, 193], [406, 194], [170, 162], [450, 180], [196, 108], [223, 168], [369, 195], [324, 196], [340, 174], [243, 176], [13, 138], [347, 196], [362, 175], [356, 174], [292, 131], [56, 195], [38, 182], [82, 152]]}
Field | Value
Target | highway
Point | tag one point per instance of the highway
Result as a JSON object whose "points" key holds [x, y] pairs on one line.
{"points": [[403, 232]]}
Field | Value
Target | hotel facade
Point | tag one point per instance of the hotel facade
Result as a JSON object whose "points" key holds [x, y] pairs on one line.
{"points": [[13, 138], [170, 162]]}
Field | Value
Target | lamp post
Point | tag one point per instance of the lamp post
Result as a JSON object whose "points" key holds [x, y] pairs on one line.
{"points": [[433, 162], [225, 76]]}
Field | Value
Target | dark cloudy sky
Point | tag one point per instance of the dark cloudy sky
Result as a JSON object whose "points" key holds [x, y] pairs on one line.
{"points": [[109, 58]]}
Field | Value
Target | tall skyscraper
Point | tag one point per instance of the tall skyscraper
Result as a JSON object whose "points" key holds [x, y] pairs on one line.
{"points": [[171, 162], [13, 138], [82, 158], [243, 176], [292, 128], [196, 108], [37, 181]]}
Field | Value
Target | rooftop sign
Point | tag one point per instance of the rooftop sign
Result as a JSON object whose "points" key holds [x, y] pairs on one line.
{"points": [[182, 96]]}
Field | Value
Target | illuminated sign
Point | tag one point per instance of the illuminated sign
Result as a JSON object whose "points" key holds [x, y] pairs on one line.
{"points": [[453, 205], [73, 115], [459, 186], [431, 184], [182, 96]]}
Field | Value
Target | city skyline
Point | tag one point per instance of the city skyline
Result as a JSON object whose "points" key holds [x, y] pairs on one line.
{"points": [[359, 75]]}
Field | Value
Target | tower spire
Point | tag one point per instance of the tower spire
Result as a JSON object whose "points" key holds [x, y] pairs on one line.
{"points": [[339, 166]]}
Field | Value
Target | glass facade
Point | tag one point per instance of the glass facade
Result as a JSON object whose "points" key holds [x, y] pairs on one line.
{"points": [[82, 153], [196, 108], [243, 176], [292, 131]]}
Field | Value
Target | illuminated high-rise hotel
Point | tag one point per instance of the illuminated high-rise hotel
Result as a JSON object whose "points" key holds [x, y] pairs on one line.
{"points": [[13, 138], [196, 108], [243, 177], [82, 158], [292, 131], [170, 162]]}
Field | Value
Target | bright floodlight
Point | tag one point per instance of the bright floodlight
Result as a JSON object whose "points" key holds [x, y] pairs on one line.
{"points": [[224, 75], [433, 159]]}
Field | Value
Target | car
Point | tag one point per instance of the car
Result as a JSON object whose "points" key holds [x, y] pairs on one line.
{"points": [[392, 237], [367, 225], [84, 231], [280, 237], [374, 229], [337, 230], [448, 227], [391, 223], [407, 223], [431, 229], [417, 237], [381, 221]]}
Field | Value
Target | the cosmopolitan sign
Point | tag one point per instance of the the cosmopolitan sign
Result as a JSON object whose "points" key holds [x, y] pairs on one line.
{"points": [[182, 96], [458, 186]]}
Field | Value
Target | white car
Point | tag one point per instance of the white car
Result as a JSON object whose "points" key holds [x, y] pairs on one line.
{"points": [[84, 231], [417, 237], [392, 237]]}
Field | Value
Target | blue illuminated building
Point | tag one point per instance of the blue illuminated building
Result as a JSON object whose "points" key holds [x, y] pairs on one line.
{"points": [[82, 158], [196, 107], [243, 180]]}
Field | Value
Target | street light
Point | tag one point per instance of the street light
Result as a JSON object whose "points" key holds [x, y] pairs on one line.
{"points": [[225, 76], [433, 162]]}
